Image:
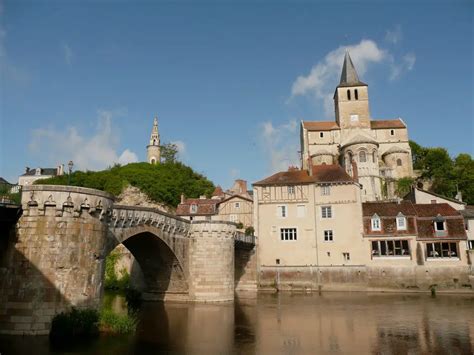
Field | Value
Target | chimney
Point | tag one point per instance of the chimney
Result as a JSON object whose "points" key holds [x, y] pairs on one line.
{"points": [[355, 172], [182, 198], [459, 196], [202, 197]]}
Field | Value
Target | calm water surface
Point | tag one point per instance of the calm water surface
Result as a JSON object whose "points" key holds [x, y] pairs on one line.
{"points": [[330, 323]]}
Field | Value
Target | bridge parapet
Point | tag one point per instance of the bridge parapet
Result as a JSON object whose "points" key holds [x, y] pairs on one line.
{"points": [[132, 216]]}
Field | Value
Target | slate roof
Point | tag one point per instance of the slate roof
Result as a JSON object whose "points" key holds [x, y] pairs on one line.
{"points": [[321, 173], [349, 75], [384, 124], [388, 209], [44, 171]]}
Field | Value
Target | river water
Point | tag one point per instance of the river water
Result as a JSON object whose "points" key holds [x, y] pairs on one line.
{"points": [[329, 323]]}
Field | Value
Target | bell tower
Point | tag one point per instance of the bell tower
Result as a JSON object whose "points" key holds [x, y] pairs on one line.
{"points": [[351, 98], [153, 149]]}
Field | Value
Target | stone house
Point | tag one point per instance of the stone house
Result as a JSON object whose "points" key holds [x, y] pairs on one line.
{"points": [[375, 151], [234, 205], [31, 175]]}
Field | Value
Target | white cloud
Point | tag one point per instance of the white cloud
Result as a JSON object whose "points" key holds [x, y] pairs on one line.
{"points": [[394, 36], [181, 147], [280, 144], [94, 152], [406, 64], [320, 82], [67, 52]]}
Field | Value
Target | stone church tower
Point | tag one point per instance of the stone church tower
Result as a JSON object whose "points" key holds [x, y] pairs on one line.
{"points": [[153, 149], [374, 152]]}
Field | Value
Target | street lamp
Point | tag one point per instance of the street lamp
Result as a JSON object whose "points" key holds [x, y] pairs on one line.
{"points": [[70, 165]]}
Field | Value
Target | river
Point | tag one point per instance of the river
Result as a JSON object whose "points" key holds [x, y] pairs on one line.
{"points": [[329, 323]]}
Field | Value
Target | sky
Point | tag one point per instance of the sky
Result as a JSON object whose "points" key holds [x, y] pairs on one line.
{"points": [[229, 81]]}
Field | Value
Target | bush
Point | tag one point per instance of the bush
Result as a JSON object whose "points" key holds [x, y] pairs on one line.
{"points": [[112, 280], [249, 230], [118, 323], [75, 323]]}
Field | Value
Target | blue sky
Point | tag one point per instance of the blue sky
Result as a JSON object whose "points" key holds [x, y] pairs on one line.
{"points": [[229, 81]]}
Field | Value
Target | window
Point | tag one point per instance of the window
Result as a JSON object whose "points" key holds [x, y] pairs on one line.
{"points": [[399, 162], [301, 211], [237, 205], [291, 190], [354, 118], [381, 248], [401, 222], [194, 208], [346, 256], [349, 95], [281, 211], [153, 161], [321, 134], [374, 156], [439, 224], [38, 171], [470, 244], [326, 212], [376, 223], [233, 218], [362, 156], [325, 190], [392, 132], [442, 250], [288, 234], [356, 94], [277, 261], [328, 236]]}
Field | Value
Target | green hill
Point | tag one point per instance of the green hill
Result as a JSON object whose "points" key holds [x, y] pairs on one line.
{"points": [[162, 182]]}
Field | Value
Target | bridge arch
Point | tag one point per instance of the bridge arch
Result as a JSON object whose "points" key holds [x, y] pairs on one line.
{"points": [[162, 259]]}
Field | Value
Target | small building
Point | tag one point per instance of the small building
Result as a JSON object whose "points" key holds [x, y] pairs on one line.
{"points": [[407, 233], [31, 175], [234, 205]]}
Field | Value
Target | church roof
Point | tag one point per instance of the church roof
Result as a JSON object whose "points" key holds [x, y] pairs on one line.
{"points": [[395, 149], [381, 124], [320, 125], [349, 75], [360, 139]]}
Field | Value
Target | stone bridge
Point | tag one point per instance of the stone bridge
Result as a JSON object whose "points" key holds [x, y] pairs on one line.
{"points": [[53, 256]]}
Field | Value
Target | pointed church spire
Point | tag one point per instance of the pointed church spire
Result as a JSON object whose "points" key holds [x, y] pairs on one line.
{"points": [[349, 75]]}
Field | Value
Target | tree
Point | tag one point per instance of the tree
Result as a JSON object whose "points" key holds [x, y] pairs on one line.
{"points": [[169, 151], [404, 185], [464, 173], [418, 155]]}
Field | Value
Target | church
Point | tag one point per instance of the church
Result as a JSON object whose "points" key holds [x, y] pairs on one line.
{"points": [[373, 152]]}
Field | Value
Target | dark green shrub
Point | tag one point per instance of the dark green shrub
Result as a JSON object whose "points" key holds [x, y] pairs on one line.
{"points": [[76, 323], [249, 230]]}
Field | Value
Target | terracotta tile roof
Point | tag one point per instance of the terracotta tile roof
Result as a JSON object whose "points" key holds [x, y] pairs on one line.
{"points": [[205, 207], [320, 125], [321, 173], [218, 192], [381, 124], [388, 209], [434, 209]]}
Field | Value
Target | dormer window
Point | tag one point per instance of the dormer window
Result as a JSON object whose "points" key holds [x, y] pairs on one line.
{"points": [[440, 226], [194, 208], [376, 224], [401, 222], [349, 95]]}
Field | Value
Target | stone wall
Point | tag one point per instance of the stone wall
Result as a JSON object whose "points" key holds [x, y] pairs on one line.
{"points": [[366, 278], [245, 265], [211, 261], [56, 257]]}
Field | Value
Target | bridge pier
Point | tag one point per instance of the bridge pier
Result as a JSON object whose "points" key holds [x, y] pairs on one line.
{"points": [[211, 261], [56, 258]]}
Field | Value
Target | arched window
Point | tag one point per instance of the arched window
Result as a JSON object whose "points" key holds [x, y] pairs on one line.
{"points": [[349, 95], [362, 156], [399, 162], [349, 158], [376, 223], [374, 156], [392, 132], [153, 161], [356, 94]]}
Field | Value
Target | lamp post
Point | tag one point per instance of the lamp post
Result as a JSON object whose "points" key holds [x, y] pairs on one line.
{"points": [[70, 165]]}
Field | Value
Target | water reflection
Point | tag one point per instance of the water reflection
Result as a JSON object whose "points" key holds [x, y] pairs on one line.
{"points": [[330, 323]]}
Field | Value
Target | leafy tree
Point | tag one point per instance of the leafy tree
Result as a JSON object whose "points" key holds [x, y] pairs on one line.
{"points": [[464, 172], [418, 154], [161, 182], [404, 185], [169, 151]]}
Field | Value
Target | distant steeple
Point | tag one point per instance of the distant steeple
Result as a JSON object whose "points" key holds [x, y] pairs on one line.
{"points": [[153, 149], [349, 75]]}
